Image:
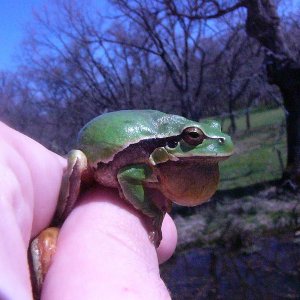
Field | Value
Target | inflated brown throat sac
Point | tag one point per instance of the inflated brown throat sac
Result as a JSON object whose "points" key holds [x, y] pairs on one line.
{"points": [[189, 183]]}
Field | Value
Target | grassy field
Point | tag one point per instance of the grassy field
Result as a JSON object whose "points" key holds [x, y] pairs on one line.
{"points": [[257, 151], [260, 212]]}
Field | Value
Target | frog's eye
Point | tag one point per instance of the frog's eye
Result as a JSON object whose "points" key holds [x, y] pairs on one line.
{"points": [[193, 136], [172, 143]]}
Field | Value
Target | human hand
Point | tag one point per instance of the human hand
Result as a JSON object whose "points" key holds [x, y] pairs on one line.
{"points": [[103, 246]]}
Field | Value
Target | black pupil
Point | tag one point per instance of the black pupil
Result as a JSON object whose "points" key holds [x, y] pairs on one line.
{"points": [[172, 144], [194, 135]]}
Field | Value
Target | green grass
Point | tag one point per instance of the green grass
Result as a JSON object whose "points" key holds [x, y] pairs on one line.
{"points": [[258, 119], [256, 157]]}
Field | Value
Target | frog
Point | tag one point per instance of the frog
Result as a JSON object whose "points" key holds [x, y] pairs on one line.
{"points": [[152, 158]]}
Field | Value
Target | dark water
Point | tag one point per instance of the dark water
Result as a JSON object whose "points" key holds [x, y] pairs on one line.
{"points": [[268, 269]]}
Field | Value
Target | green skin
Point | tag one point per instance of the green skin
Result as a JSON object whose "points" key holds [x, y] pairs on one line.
{"points": [[130, 150], [152, 158]]}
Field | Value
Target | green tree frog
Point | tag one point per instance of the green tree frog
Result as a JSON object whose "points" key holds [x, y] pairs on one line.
{"points": [[151, 157]]}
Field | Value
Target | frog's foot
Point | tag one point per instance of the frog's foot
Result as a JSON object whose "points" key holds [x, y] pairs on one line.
{"points": [[132, 179], [70, 186], [42, 249]]}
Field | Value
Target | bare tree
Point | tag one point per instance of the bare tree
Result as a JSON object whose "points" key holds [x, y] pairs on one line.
{"points": [[283, 70], [235, 78], [75, 74], [263, 23], [179, 43], [71, 56], [6, 95], [18, 106]]}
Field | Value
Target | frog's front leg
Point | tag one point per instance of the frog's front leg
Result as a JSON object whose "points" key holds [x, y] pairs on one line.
{"points": [[132, 180]]}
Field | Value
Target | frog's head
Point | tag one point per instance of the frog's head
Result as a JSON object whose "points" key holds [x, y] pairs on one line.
{"points": [[188, 163], [197, 141]]}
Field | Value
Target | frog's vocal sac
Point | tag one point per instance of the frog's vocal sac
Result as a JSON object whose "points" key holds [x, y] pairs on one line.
{"points": [[152, 158]]}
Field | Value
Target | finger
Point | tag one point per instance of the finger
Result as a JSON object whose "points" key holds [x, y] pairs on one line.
{"points": [[169, 241], [35, 174], [26, 203], [104, 250]]}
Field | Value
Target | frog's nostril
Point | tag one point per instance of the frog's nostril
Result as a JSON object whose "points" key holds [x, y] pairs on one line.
{"points": [[221, 140]]}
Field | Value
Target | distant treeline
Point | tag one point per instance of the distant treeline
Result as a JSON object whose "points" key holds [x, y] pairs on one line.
{"points": [[78, 63]]}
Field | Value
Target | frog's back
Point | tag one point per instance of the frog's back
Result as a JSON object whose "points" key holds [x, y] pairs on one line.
{"points": [[106, 135]]}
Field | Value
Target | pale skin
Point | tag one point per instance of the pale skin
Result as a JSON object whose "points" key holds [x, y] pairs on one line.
{"points": [[103, 246]]}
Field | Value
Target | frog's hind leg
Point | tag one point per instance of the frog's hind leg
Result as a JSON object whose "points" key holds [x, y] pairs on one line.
{"points": [[42, 249], [131, 180], [70, 186]]}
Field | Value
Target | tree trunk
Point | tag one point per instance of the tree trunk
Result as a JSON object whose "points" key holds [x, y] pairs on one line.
{"points": [[248, 123], [190, 107], [287, 78], [232, 126], [263, 24], [231, 104], [251, 99]]}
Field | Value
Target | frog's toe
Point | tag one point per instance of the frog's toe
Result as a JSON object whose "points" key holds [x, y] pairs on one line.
{"points": [[155, 234], [155, 237]]}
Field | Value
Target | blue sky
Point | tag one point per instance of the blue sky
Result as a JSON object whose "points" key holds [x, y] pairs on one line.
{"points": [[14, 15]]}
